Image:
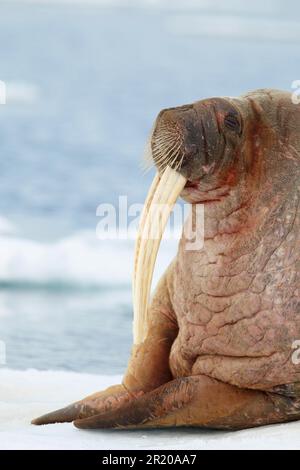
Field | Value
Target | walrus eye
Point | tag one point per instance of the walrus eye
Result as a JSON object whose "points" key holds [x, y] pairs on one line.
{"points": [[232, 122]]}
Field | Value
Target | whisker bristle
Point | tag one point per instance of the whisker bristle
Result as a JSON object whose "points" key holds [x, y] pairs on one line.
{"points": [[164, 148]]}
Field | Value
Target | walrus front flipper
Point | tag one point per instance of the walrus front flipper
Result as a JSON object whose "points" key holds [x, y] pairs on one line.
{"points": [[148, 367], [110, 398], [196, 401]]}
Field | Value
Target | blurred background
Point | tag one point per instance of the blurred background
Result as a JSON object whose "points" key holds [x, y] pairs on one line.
{"points": [[85, 80]]}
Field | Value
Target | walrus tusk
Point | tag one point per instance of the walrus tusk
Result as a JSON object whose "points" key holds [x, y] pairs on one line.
{"points": [[144, 213], [161, 198]]}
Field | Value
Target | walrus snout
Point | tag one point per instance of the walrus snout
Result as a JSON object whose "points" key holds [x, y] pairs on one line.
{"points": [[190, 139], [175, 138]]}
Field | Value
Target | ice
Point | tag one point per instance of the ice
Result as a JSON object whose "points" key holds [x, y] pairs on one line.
{"points": [[27, 394]]}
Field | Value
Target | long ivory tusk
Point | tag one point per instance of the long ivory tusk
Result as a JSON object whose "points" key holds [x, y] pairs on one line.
{"points": [[148, 158], [159, 204], [144, 214]]}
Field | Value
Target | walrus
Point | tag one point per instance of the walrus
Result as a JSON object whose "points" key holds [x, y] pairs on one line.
{"points": [[214, 347]]}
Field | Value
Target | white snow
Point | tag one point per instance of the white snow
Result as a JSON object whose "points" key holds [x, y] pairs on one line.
{"points": [[27, 394]]}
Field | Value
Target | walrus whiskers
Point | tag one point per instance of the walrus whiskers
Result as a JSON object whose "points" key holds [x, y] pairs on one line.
{"points": [[166, 156], [161, 155]]}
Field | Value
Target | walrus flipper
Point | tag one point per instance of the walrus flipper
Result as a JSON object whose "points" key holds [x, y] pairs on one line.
{"points": [[148, 367], [197, 401], [89, 406]]}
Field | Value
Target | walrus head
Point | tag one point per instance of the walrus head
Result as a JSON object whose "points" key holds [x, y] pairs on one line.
{"points": [[197, 139], [202, 151]]}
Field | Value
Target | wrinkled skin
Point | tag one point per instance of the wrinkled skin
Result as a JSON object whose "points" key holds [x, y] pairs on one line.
{"points": [[223, 319]]}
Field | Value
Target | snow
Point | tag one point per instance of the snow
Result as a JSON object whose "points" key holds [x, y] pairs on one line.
{"points": [[27, 394]]}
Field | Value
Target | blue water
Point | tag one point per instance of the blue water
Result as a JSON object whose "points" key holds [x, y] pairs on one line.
{"points": [[85, 84]]}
